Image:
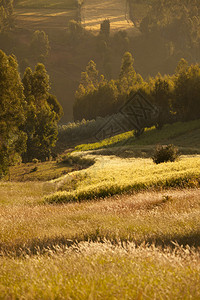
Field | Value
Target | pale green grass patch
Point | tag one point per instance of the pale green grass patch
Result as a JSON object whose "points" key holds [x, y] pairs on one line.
{"points": [[112, 175], [183, 134], [105, 143]]}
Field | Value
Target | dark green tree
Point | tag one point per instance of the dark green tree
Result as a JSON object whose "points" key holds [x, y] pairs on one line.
{"points": [[186, 101], [128, 78], [6, 15], [105, 29], [43, 113], [162, 96], [12, 115], [75, 32], [39, 46]]}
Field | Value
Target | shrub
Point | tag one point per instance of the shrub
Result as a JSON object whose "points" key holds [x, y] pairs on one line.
{"points": [[165, 153], [76, 160], [35, 161]]}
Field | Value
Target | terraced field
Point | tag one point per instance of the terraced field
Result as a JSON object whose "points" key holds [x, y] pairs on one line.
{"points": [[30, 18], [95, 11], [69, 4]]}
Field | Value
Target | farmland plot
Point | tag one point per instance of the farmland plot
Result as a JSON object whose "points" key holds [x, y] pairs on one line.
{"points": [[43, 18], [95, 11]]}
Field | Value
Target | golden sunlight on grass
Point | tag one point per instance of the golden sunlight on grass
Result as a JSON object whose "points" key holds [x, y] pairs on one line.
{"points": [[103, 271], [151, 217], [112, 175], [114, 10]]}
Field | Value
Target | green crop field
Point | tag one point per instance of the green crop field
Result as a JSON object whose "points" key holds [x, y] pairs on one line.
{"points": [[121, 228]]}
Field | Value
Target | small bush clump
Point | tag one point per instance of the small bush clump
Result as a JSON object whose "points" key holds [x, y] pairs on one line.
{"points": [[72, 160], [35, 161], [165, 153]]}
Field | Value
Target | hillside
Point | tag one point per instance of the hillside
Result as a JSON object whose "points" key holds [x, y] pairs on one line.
{"points": [[65, 62], [83, 244], [96, 216], [94, 12], [185, 135]]}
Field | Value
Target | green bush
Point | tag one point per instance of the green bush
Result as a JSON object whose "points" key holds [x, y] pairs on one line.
{"points": [[165, 153]]}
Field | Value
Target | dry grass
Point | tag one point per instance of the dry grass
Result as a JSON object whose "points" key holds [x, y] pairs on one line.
{"points": [[148, 217], [103, 271], [45, 171], [123, 247], [29, 193]]}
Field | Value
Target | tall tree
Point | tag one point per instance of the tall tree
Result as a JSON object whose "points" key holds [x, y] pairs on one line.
{"points": [[40, 44], [162, 95], [105, 29], [6, 12], [43, 113], [128, 77], [186, 94], [12, 115]]}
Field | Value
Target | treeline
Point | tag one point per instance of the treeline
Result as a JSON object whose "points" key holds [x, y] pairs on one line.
{"points": [[6, 11], [176, 96], [84, 131], [176, 23], [29, 114]]}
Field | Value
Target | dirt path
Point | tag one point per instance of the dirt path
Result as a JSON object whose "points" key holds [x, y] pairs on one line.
{"points": [[95, 11]]}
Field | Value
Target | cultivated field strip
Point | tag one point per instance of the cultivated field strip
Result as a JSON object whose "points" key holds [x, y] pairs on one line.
{"points": [[95, 11]]}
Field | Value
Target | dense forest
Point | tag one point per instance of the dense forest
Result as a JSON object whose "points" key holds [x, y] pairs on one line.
{"points": [[176, 96]]}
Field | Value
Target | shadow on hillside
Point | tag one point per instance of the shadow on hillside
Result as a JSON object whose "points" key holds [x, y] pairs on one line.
{"points": [[53, 245], [186, 140], [128, 151]]}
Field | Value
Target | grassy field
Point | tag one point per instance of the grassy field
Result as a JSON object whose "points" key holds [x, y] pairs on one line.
{"points": [[113, 175], [182, 134], [45, 251], [48, 170], [96, 271], [143, 244], [110, 176]]}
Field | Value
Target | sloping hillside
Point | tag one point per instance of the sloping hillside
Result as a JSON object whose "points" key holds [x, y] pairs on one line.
{"points": [[95, 11], [185, 135]]}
